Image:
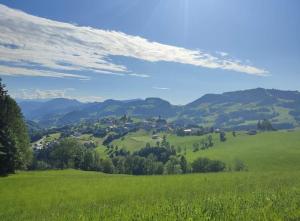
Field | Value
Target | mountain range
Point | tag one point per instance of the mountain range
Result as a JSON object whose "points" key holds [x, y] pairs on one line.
{"points": [[237, 109]]}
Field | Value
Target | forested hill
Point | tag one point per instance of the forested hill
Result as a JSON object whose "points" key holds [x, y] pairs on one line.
{"points": [[238, 109]]}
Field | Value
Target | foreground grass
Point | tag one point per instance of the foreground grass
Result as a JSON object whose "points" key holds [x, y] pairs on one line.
{"points": [[78, 195]]}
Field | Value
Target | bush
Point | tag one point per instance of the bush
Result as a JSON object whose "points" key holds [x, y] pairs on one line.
{"points": [[107, 166], [204, 165], [40, 165], [222, 136], [239, 165]]}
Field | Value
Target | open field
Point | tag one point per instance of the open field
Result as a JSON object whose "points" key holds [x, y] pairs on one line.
{"points": [[270, 190], [78, 195]]}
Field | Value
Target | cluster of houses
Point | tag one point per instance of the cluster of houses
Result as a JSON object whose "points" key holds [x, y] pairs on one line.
{"points": [[121, 126], [42, 144]]}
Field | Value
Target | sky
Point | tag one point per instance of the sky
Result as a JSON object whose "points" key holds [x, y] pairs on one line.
{"points": [[177, 50]]}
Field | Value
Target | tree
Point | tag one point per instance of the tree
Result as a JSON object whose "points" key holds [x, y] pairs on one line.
{"points": [[265, 125], [183, 164], [119, 164], [172, 166], [65, 154], [107, 165], [259, 125], [210, 141], [164, 142], [222, 136], [14, 140], [195, 147], [204, 165]]}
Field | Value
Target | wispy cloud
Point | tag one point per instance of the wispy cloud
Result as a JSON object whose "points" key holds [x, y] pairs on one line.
{"points": [[139, 75], [50, 48], [161, 88], [33, 94], [222, 53], [20, 71]]}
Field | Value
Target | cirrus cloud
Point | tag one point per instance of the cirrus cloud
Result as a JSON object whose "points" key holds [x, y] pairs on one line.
{"points": [[43, 47], [39, 94], [161, 88]]}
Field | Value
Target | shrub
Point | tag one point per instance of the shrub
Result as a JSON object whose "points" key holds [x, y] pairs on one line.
{"points": [[239, 165], [204, 165]]}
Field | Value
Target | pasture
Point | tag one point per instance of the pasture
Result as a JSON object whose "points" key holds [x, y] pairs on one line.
{"points": [[269, 190], [79, 195], [269, 151]]}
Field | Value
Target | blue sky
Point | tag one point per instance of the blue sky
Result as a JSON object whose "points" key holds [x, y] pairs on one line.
{"points": [[178, 50]]}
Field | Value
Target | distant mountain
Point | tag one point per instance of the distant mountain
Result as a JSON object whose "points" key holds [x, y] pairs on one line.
{"points": [[37, 110], [242, 109], [238, 109]]}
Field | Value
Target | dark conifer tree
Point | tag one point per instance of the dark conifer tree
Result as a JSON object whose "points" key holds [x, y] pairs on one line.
{"points": [[15, 152]]}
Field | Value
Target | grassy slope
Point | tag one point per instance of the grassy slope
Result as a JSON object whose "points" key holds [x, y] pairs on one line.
{"points": [[265, 151], [269, 191], [78, 195], [134, 141]]}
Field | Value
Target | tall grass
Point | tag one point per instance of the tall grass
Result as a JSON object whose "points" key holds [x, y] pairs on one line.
{"points": [[78, 195]]}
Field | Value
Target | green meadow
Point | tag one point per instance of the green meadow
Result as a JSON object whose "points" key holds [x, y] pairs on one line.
{"points": [[267, 151], [269, 190]]}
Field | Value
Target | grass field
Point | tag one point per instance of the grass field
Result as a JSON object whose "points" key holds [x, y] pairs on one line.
{"points": [[78, 195], [270, 151], [270, 190]]}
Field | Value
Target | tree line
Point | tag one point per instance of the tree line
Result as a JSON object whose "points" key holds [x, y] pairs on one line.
{"points": [[159, 159]]}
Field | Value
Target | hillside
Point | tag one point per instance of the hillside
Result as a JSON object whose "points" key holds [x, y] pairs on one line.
{"points": [[46, 111], [269, 190], [238, 110], [270, 151], [242, 109]]}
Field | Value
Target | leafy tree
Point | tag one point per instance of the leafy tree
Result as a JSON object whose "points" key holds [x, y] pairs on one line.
{"points": [[210, 141], [180, 132], [222, 136], [172, 166], [206, 165], [233, 133], [138, 166], [162, 154], [165, 143], [107, 165], [40, 165], [259, 127], [265, 125], [119, 164], [65, 153], [196, 147], [15, 152], [183, 164]]}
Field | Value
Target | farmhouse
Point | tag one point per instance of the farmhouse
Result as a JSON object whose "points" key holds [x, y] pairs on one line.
{"points": [[155, 136]]}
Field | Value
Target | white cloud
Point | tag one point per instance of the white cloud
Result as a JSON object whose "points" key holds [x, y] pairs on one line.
{"points": [[33, 94], [56, 48], [161, 88], [6, 70], [222, 53], [139, 75]]}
